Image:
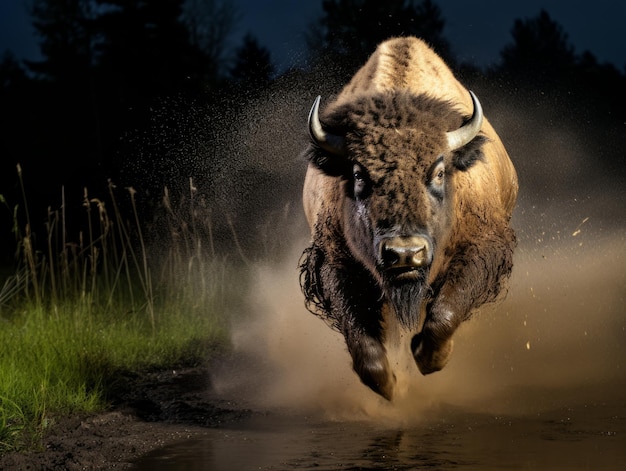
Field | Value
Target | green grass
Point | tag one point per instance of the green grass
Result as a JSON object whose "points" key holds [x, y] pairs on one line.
{"points": [[75, 314], [56, 362]]}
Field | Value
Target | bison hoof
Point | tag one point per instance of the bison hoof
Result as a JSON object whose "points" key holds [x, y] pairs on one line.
{"points": [[379, 380], [429, 356], [372, 366]]}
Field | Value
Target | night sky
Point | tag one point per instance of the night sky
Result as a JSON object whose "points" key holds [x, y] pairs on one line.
{"points": [[477, 30]]}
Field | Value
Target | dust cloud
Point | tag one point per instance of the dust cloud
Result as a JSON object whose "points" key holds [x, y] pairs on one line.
{"points": [[558, 337]]}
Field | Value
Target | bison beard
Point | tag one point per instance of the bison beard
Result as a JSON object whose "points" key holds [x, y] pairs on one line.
{"points": [[406, 298]]}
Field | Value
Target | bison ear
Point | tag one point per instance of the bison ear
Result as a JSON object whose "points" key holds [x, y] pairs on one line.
{"points": [[465, 157], [331, 165]]}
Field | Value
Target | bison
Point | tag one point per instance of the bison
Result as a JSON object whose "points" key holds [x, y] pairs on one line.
{"points": [[408, 194]]}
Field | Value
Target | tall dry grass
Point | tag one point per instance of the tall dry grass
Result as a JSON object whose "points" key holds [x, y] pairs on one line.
{"points": [[110, 292]]}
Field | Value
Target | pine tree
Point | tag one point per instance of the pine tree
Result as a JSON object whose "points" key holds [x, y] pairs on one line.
{"points": [[350, 30], [253, 67]]}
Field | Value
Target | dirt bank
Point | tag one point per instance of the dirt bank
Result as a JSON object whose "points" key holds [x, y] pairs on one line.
{"points": [[147, 412]]}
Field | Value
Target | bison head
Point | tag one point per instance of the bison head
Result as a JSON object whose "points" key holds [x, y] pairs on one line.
{"points": [[397, 156]]}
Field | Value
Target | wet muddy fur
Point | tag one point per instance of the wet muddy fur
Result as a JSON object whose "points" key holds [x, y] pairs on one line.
{"points": [[385, 185]]}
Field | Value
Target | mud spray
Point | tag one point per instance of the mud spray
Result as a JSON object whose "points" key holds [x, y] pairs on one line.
{"points": [[560, 331]]}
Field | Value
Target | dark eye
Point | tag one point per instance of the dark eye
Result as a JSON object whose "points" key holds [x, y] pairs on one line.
{"points": [[438, 174], [438, 179], [360, 182]]}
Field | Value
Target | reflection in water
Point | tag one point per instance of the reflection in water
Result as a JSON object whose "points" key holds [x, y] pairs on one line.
{"points": [[584, 438]]}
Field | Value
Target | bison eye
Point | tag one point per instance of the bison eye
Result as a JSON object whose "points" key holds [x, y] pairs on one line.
{"points": [[360, 182], [438, 179]]}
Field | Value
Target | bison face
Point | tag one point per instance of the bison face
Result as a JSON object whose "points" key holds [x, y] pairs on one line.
{"points": [[396, 156]]}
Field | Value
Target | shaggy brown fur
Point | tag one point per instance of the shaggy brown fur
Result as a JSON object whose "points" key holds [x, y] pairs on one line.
{"points": [[399, 180]]}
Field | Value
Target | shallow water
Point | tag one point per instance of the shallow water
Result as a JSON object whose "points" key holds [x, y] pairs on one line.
{"points": [[582, 437]]}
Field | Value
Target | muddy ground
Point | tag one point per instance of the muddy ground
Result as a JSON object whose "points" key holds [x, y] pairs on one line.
{"points": [[148, 412]]}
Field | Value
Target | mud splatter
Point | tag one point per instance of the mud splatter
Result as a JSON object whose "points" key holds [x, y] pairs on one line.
{"points": [[560, 332]]}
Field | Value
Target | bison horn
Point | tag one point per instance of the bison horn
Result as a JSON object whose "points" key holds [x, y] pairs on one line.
{"points": [[463, 135], [331, 143]]}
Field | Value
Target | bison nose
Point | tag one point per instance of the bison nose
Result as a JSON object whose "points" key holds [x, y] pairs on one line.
{"points": [[405, 252]]}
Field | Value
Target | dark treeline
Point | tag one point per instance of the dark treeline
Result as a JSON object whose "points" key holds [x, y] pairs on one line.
{"points": [[112, 69]]}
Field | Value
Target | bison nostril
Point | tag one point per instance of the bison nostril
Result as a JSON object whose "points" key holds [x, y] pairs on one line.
{"points": [[419, 257], [405, 252], [389, 256]]}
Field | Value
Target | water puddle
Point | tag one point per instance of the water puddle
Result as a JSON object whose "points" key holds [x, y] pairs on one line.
{"points": [[585, 437]]}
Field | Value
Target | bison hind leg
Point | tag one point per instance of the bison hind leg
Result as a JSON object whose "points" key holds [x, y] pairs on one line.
{"points": [[369, 361], [430, 356]]}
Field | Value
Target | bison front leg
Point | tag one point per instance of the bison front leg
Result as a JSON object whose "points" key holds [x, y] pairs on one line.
{"points": [[474, 277], [433, 345], [358, 306], [342, 292], [369, 360]]}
